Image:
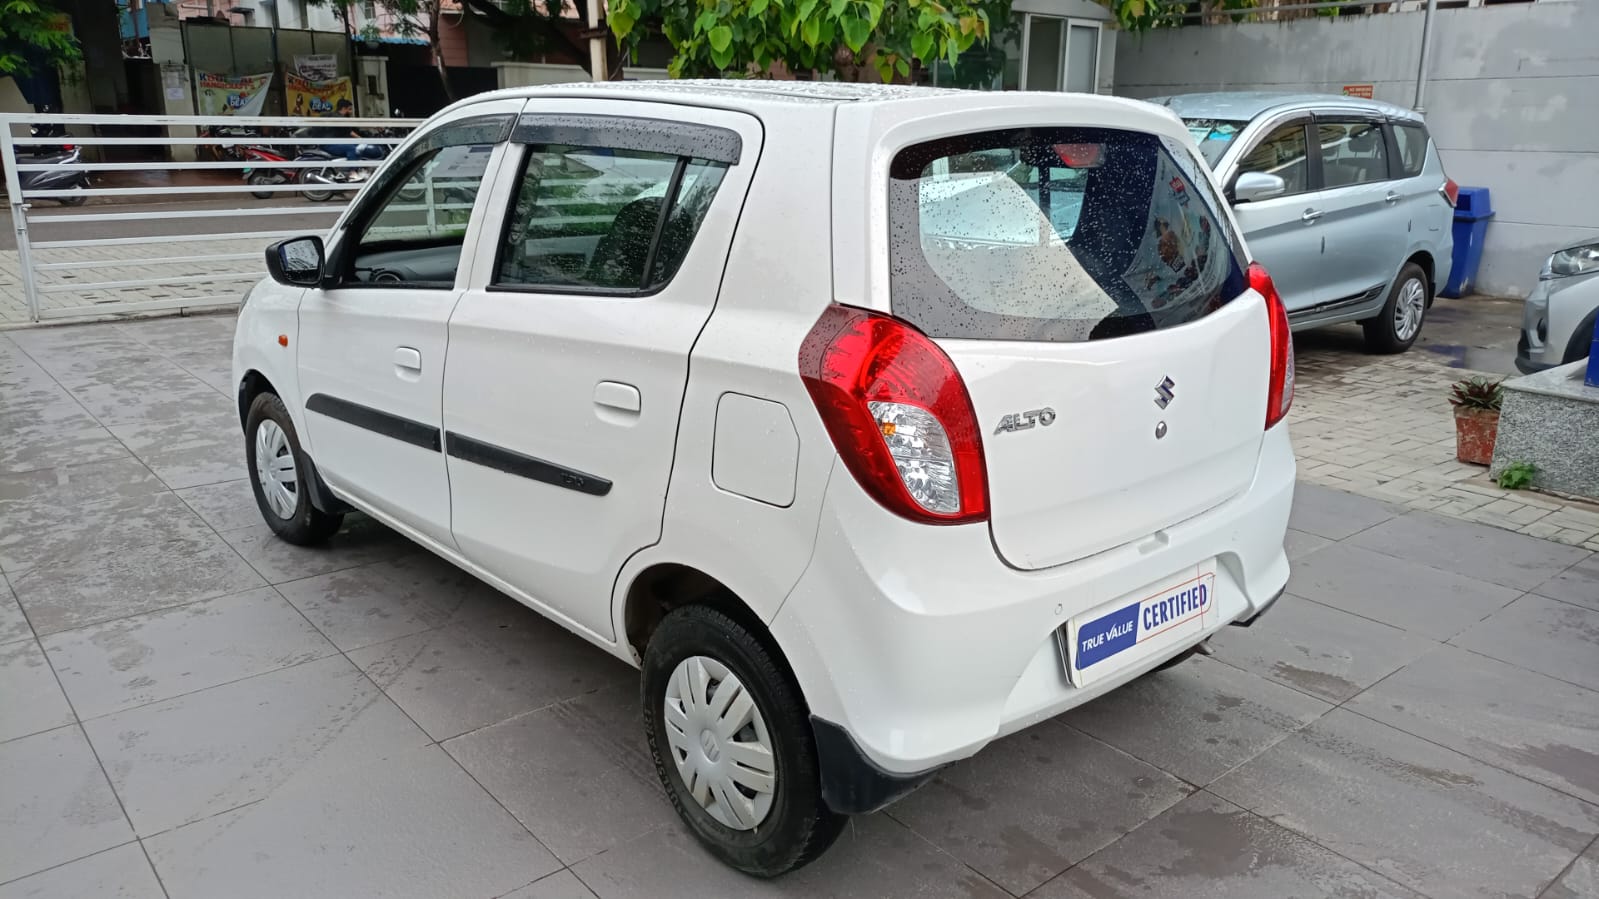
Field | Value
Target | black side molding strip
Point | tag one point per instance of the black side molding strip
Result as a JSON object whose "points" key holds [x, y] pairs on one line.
{"points": [[375, 420], [511, 462]]}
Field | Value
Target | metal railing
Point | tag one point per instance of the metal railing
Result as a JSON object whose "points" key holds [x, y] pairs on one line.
{"points": [[176, 239]]}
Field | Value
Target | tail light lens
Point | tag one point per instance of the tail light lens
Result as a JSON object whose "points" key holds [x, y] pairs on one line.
{"points": [[1451, 191], [1280, 390], [899, 414]]}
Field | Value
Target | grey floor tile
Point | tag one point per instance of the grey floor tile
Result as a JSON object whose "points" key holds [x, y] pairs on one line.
{"points": [[385, 601], [227, 506], [1542, 729], [1474, 550], [13, 624], [1359, 788], [69, 486], [875, 857], [1334, 514], [1198, 720], [1543, 635], [1409, 595], [568, 775], [1207, 848], [55, 804], [1580, 881], [476, 672], [92, 589], [42, 532], [30, 698], [120, 873], [1300, 544], [400, 823], [560, 885], [154, 393], [109, 667], [25, 449], [361, 541], [188, 452], [1578, 584], [1318, 649], [186, 758], [1033, 804]]}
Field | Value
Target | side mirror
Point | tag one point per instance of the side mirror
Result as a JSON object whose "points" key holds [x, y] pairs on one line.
{"points": [[1253, 186], [296, 262]]}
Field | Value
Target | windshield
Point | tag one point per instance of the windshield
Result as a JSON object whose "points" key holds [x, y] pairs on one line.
{"points": [[1056, 234], [1214, 136]]}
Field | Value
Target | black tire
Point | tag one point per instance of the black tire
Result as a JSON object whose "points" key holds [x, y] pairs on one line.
{"points": [[305, 525], [315, 196], [1383, 331], [799, 826], [74, 201], [1581, 341], [262, 178]]}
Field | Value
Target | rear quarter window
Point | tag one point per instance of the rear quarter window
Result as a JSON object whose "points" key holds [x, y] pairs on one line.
{"points": [[1412, 141], [1056, 235]]}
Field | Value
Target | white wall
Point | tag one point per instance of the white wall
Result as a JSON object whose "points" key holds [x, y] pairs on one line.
{"points": [[1512, 101]]}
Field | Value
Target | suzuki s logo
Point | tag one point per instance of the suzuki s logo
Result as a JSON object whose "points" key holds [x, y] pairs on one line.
{"points": [[1164, 392], [1021, 421]]}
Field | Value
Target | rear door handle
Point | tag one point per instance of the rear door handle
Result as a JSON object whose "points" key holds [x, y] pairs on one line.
{"points": [[619, 396], [1311, 215], [1392, 197], [408, 359]]}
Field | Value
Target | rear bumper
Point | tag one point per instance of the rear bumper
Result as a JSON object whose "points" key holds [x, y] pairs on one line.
{"points": [[920, 646]]}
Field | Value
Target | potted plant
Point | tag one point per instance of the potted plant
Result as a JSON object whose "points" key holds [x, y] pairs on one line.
{"points": [[1476, 401]]}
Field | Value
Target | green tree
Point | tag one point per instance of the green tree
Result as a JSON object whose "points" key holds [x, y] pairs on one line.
{"points": [[31, 37], [852, 39]]}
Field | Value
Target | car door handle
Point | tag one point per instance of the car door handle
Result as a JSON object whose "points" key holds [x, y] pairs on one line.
{"points": [[618, 396], [1391, 198], [408, 359], [1311, 215]]}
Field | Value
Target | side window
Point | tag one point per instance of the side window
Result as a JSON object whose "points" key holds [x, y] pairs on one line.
{"points": [[1351, 153], [1412, 141], [603, 219], [1281, 153], [414, 236]]}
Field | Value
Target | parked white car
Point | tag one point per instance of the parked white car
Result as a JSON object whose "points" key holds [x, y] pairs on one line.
{"points": [[872, 423], [1559, 316]]}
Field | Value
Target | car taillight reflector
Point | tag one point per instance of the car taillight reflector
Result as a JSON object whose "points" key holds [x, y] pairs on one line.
{"points": [[1280, 389], [1451, 191], [899, 415]]}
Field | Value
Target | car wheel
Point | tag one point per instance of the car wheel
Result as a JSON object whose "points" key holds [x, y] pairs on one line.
{"points": [[733, 744], [1398, 325], [278, 472]]}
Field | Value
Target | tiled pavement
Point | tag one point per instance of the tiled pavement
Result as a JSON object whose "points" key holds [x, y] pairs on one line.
{"points": [[189, 709]]}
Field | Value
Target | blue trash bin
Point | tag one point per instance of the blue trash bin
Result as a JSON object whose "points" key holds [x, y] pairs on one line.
{"points": [[1472, 213]]}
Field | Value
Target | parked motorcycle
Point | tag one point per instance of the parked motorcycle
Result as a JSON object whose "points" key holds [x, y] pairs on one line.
{"points": [[265, 177]]}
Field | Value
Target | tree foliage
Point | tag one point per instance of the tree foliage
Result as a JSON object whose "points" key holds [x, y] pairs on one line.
{"points": [[843, 37], [31, 37]]}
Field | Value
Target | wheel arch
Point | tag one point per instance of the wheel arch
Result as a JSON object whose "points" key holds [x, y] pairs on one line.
{"points": [[665, 586], [252, 385], [1423, 259]]}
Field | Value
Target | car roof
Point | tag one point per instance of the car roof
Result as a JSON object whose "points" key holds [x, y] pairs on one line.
{"points": [[1246, 105], [733, 92]]}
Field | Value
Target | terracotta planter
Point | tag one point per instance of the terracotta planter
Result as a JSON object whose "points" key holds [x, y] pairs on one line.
{"points": [[1475, 433]]}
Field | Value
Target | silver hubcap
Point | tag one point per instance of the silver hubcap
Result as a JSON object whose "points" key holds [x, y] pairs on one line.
{"points": [[720, 743], [274, 469], [1409, 308]]}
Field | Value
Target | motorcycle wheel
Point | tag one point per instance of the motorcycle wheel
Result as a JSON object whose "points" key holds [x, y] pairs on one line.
{"points": [[262, 178], [315, 196], [73, 201]]}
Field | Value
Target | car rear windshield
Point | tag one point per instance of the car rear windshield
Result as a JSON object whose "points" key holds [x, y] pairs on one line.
{"points": [[1056, 234]]}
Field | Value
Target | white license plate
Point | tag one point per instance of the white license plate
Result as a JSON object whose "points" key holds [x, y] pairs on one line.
{"points": [[1133, 628]]}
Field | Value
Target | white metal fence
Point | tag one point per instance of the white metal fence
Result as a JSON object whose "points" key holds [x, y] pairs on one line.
{"points": [[178, 240]]}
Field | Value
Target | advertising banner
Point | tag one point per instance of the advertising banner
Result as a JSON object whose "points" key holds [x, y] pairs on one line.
{"points": [[231, 94], [317, 66], [315, 98]]}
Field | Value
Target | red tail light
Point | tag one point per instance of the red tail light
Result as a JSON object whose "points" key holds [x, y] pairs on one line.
{"points": [[1280, 390], [899, 414], [1451, 191], [69, 147]]}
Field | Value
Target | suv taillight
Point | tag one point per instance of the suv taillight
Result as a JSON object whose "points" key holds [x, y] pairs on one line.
{"points": [[899, 414], [1280, 389], [1451, 191]]}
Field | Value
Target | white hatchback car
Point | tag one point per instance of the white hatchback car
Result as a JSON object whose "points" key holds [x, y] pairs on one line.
{"points": [[872, 423]]}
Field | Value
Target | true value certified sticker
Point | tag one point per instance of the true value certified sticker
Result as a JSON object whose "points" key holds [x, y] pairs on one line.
{"points": [[1135, 628]]}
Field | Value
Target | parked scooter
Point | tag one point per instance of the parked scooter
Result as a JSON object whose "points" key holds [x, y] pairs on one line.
{"points": [[64, 154]]}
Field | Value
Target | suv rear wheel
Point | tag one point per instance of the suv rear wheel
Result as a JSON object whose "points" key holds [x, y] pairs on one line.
{"points": [[278, 473], [1398, 325], [732, 744]]}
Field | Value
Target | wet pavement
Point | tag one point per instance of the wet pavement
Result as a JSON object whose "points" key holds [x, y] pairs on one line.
{"points": [[190, 708]]}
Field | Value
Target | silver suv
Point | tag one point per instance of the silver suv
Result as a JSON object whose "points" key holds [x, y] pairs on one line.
{"points": [[1357, 231]]}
